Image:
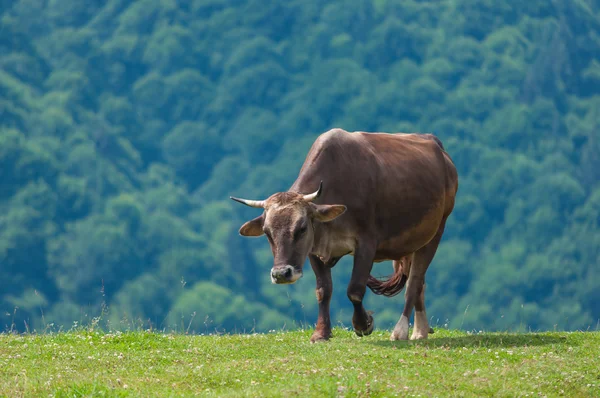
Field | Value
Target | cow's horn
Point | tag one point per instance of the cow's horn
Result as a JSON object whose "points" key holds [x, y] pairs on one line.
{"points": [[251, 203], [314, 195]]}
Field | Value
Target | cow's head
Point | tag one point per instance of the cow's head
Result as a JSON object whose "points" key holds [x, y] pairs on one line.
{"points": [[289, 220]]}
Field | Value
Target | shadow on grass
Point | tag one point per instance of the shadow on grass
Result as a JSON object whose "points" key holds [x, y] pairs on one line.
{"points": [[482, 340]]}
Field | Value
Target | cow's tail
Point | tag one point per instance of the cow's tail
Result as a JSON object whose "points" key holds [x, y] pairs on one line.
{"points": [[390, 286]]}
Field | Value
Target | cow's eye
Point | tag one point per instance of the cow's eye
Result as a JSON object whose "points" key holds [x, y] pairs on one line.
{"points": [[269, 236], [299, 232]]}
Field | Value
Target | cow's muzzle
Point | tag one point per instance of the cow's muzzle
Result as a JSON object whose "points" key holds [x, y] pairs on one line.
{"points": [[285, 274]]}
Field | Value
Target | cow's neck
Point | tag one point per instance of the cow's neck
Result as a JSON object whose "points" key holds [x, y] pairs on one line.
{"points": [[328, 245], [321, 247]]}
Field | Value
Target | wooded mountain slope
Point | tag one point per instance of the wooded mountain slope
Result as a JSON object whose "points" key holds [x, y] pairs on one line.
{"points": [[125, 126]]}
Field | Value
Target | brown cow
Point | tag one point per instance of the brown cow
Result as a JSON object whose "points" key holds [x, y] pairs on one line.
{"points": [[376, 196]]}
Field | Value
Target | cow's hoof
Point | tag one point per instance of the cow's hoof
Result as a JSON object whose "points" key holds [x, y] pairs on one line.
{"points": [[395, 336], [400, 331], [369, 330], [431, 331], [418, 336], [318, 336]]}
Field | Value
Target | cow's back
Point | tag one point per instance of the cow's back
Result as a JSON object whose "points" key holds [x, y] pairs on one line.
{"points": [[392, 184]]}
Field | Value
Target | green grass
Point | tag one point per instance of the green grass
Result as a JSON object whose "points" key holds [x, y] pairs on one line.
{"points": [[450, 363]]}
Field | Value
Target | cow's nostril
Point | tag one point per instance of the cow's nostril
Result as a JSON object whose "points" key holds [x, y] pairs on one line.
{"points": [[273, 275], [288, 272]]}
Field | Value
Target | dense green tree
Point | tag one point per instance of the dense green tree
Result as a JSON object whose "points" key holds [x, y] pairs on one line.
{"points": [[125, 126]]}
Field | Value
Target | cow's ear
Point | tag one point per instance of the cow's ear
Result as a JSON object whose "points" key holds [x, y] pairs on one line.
{"points": [[325, 213], [253, 227]]}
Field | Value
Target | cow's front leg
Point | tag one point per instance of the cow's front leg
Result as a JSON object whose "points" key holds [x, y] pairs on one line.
{"points": [[362, 321], [323, 292]]}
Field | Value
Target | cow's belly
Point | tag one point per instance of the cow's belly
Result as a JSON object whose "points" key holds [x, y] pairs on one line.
{"points": [[396, 248], [410, 240]]}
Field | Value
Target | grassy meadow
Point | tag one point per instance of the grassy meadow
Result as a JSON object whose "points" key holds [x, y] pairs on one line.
{"points": [[150, 364]]}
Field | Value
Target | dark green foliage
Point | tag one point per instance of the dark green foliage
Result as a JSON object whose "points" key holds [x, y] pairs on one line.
{"points": [[125, 126]]}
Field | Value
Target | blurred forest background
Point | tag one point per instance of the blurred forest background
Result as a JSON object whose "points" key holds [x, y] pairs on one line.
{"points": [[125, 125]]}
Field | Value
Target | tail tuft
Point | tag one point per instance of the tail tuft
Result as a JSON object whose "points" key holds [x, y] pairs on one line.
{"points": [[387, 287]]}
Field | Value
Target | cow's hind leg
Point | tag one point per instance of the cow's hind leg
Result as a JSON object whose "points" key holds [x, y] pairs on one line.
{"points": [[421, 328], [362, 321], [415, 294]]}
